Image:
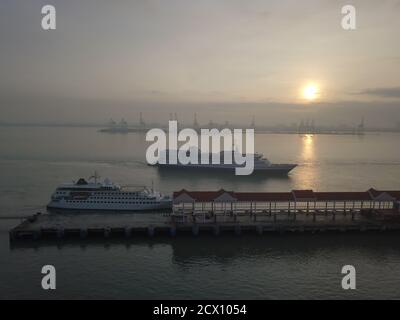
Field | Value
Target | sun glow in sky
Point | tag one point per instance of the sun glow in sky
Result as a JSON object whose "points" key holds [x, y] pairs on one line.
{"points": [[159, 57], [311, 92]]}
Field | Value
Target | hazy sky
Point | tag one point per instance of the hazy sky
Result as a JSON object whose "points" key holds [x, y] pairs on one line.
{"points": [[224, 58]]}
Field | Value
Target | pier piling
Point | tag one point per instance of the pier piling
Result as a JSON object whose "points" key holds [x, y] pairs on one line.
{"points": [[151, 231], [83, 233], [195, 230], [238, 230], [128, 232], [60, 233], [107, 233], [172, 231]]}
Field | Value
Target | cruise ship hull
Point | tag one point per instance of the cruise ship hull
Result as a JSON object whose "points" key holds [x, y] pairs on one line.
{"points": [[64, 206], [280, 169]]}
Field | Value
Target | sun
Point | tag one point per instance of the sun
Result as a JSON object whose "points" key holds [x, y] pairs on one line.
{"points": [[311, 92]]}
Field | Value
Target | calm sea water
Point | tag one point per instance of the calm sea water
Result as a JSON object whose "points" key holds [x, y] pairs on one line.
{"points": [[33, 161]]}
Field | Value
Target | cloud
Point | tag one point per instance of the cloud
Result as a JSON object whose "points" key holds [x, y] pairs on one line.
{"points": [[392, 92]]}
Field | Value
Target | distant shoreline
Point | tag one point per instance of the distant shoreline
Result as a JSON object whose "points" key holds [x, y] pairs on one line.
{"points": [[260, 130]]}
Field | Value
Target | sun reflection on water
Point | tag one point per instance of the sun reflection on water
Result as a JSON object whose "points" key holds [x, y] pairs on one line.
{"points": [[307, 174], [308, 152]]}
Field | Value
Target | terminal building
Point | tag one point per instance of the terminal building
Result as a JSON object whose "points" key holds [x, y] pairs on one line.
{"points": [[294, 203]]}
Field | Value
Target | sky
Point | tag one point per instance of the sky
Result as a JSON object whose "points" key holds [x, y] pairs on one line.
{"points": [[223, 59]]}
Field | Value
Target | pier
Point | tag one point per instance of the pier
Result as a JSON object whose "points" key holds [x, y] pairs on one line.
{"points": [[225, 212]]}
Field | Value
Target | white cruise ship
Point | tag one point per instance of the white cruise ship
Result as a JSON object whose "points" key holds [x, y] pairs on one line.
{"points": [[106, 196]]}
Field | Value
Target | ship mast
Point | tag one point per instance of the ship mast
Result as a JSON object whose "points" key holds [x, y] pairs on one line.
{"points": [[141, 121], [95, 176], [195, 122]]}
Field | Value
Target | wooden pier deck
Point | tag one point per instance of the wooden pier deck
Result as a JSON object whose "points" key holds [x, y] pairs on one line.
{"points": [[82, 226]]}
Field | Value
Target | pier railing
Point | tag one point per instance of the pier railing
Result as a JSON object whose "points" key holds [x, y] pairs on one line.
{"points": [[275, 216]]}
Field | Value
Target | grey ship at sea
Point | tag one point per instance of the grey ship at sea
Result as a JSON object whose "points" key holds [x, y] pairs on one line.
{"points": [[261, 164]]}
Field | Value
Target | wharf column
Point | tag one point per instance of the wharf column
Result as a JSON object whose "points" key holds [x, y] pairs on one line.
{"points": [[60, 233], [83, 233], [128, 232], [172, 231], [150, 231], [107, 232], [195, 230], [238, 230]]}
